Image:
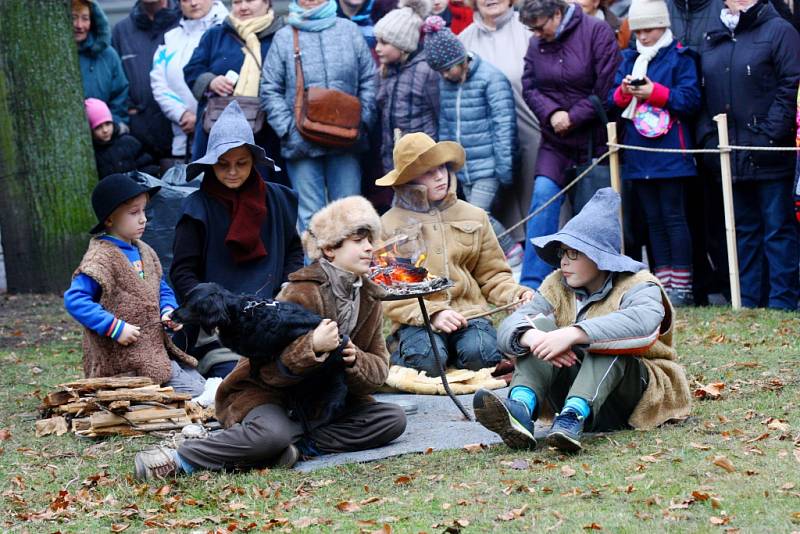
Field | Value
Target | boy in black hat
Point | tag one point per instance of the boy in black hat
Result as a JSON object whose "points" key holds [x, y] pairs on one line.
{"points": [[118, 293]]}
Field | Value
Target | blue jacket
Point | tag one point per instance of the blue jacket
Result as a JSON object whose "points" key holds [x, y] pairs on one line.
{"points": [[675, 69], [337, 58], [480, 115], [101, 68]]}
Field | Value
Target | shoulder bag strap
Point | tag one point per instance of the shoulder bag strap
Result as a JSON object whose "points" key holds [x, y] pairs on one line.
{"points": [[298, 71], [603, 116]]}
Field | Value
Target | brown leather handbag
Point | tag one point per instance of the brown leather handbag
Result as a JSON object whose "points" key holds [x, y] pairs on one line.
{"points": [[324, 116]]}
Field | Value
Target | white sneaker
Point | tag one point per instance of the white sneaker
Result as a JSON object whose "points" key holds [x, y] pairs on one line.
{"points": [[206, 398]]}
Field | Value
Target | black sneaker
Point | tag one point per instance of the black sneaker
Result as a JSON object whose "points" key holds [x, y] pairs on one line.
{"points": [[507, 417], [565, 434]]}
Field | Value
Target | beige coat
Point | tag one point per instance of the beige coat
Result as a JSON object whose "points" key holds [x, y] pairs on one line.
{"points": [[460, 245]]}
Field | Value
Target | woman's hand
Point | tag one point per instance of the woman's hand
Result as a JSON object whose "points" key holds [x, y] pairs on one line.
{"points": [[349, 354], [221, 85], [166, 318], [325, 337], [641, 92], [448, 321], [187, 122], [560, 122], [130, 334]]}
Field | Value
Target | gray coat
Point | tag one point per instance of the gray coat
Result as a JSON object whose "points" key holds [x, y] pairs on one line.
{"points": [[408, 99], [336, 58], [640, 314]]}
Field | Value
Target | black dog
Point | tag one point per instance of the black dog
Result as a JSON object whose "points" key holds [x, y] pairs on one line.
{"points": [[260, 330]]}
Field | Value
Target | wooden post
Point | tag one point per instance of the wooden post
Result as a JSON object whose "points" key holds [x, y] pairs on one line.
{"points": [[616, 180], [727, 199]]}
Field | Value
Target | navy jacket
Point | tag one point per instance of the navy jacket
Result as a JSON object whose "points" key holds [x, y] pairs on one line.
{"points": [[136, 38], [675, 70], [752, 74], [101, 68]]}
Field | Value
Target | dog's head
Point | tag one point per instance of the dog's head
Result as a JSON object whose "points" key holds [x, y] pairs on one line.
{"points": [[208, 305]]}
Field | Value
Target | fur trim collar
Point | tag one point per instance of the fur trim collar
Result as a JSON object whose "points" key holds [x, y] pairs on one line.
{"points": [[315, 273]]}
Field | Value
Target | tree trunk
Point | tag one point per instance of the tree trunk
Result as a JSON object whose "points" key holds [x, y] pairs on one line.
{"points": [[47, 168]]}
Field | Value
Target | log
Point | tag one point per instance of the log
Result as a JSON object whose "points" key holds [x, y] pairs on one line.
{"points": [[95, 384], [79, 424], [127, 430], [57, 398], [103, 419], [120, 405], [81, 406], [54, 425], [134, 395]]}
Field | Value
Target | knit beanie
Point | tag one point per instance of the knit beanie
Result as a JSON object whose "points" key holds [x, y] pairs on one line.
{"points": [[400, 27], [97, 112], [647, 14], [442, 47]]}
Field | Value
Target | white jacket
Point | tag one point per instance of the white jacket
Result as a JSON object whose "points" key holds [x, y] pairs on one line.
{"points": [[166, 79]]}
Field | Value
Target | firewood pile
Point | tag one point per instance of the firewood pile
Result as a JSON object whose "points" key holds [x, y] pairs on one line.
{"points": [[126, 406]]}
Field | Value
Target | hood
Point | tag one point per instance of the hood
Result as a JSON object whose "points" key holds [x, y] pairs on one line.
{"points": [[216, 15], [277, 23], [99, 34], [163, 21], [413, 58], [414, 197]]}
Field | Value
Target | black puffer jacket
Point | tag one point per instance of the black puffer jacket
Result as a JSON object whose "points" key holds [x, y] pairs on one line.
{"points": [[752, 74], [408, 99], [123, 153]]}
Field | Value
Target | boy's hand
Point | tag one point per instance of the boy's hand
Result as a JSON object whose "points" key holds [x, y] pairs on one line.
{"points": [[349, 354], [558, 342], [130, 334], [448, 321], [325, 337], [531, 338], [166, 318]]}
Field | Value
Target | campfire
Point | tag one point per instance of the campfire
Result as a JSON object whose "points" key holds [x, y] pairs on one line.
{"points": [[404, 277]]}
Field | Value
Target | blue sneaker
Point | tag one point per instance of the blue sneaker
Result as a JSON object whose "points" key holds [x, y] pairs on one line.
{"points": [[565, 434], [506, 417]]}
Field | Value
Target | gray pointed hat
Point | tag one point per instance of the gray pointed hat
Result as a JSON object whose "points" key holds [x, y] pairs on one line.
{"points": [[230, 131], [594, 231]]}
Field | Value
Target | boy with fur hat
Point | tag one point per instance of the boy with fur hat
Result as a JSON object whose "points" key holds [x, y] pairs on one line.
{"points": [[595, 343], [477, 111], [120, 296], [460, 244], [259, 431], [408, 92]]}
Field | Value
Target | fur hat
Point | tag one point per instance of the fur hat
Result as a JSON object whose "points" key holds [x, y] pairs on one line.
{"points": [[400, 27], [647, 14], [339, 220], [442, 47]]}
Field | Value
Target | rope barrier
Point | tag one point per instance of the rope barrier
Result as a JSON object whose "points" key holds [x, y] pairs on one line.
{"points": [[720, 150]]}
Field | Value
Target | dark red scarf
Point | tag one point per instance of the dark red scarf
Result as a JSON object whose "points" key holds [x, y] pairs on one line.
{"points": [[247, 207]]}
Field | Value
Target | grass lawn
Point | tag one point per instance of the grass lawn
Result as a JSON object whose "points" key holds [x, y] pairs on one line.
{"points": [[735, 466]]}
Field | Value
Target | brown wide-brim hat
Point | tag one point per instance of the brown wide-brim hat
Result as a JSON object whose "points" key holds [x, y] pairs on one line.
{"points": [[416, 153]]}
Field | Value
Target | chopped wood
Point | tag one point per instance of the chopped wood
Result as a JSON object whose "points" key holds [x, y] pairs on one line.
{"points": [[119, 406], [82, 423], [127, 430], [95, 384], [54, 425], [57, 398], [75, 408], [102, 419], [138, 395]]}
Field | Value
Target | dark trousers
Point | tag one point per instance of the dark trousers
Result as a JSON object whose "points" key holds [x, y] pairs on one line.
{"points": [[473, 348], [662, 201], [612, 385], [705, 214], [767, 244], [267, 430]]}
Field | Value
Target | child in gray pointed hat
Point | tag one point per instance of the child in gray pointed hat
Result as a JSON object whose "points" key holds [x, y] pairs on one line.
{"points": [[595, 342]]}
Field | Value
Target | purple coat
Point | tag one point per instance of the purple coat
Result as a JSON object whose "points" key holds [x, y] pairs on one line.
{"points": [[561, 75]]}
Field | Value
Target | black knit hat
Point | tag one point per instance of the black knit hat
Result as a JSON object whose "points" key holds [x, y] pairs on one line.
{"points": [[112, 191]]}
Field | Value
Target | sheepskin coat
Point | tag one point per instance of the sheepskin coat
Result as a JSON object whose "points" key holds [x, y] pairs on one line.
{"points": [[460, 244], [135, 300], [240, 392]]}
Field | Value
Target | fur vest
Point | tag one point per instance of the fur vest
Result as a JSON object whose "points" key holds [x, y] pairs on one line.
{"points": [[667, 396], [240, 392], [135, 300]]}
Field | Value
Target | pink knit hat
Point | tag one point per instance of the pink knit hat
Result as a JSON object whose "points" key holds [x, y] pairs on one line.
{"points": [[97, 112]]}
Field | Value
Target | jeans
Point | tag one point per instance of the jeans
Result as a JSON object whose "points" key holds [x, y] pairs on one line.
{"points": [[318, 181], [185, 379], [767, 244], [481, 193], [473, 348], [662, 201], [534, 269]]}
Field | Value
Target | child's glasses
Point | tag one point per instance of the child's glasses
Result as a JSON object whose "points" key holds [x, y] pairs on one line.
{"points": [[570, 253]]}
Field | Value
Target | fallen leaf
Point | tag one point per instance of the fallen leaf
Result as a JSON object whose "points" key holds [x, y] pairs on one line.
{"points": [[474, 447], [700, 496], [761, 437], [370, 500], [402, 480], [592, 526], [385, 529], [567, 471], [700, 446], [348, 506], [5, 434], [797, 454], [520, 463], [119, 527], [649, 458], [724, 463], [163, 490], [777, 424], [719, 520], [429, 450], [788, 486], [710, 391]]}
